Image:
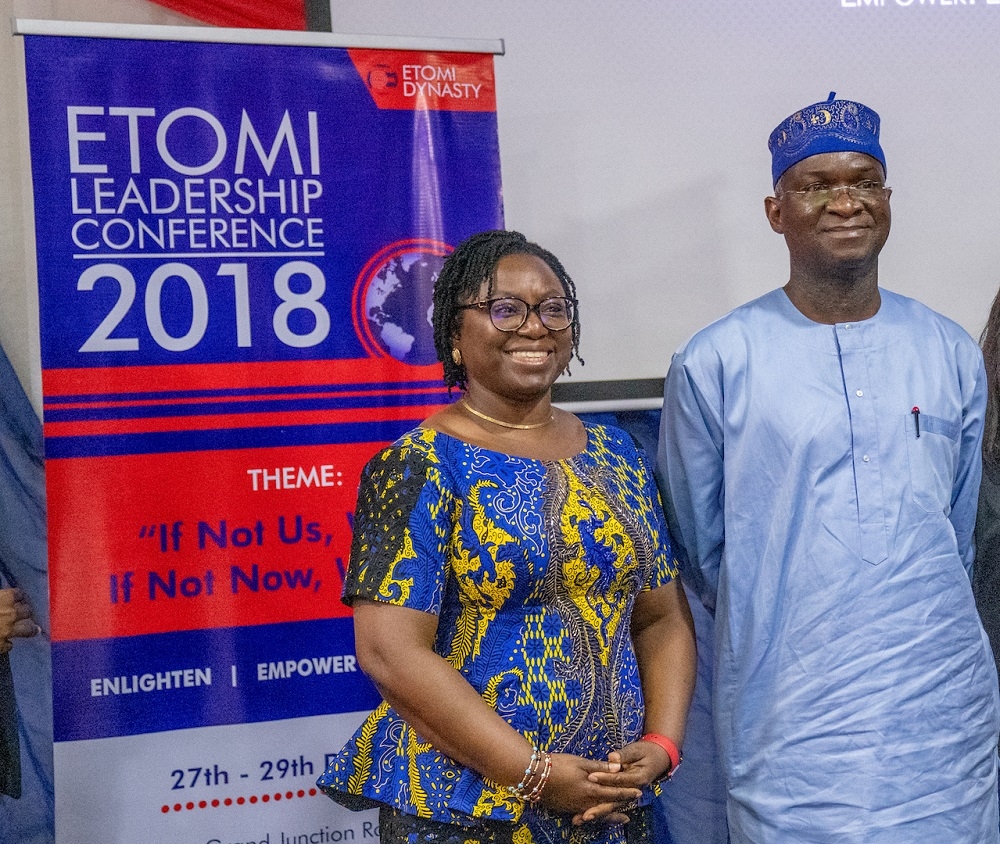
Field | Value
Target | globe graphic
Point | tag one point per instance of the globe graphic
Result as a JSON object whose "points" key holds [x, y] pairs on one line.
{"points": [[398, 306]]}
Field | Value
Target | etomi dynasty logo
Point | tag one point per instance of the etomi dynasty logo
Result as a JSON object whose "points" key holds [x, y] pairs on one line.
{"points": [[426, 80], [399, 79]]}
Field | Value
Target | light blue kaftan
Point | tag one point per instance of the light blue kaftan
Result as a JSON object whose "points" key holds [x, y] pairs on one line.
{"points": [[855, 692]]}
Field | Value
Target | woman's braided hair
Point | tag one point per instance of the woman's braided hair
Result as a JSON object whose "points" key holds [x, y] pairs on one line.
{"points": [[473, 262]]}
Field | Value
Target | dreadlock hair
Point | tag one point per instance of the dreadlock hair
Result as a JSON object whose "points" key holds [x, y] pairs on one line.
{"points": [[473, 262], [990, 343]]}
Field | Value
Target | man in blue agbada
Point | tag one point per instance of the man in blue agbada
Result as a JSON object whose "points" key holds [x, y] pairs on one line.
{"points": [[820, 457]]}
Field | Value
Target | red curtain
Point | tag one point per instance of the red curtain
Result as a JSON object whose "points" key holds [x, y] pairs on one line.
{"points": [[274, 14]]}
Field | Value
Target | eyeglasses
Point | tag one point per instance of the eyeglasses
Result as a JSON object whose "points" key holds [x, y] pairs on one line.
{"points": [[868, 191], [510, 313]]}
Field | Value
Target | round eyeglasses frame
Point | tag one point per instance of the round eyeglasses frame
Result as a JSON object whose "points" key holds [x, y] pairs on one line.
{"points": [[490, 305]]}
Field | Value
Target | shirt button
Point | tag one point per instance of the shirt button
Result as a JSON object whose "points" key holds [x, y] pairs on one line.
{"points": [[860, 393], [866, 458], [848, 326]]}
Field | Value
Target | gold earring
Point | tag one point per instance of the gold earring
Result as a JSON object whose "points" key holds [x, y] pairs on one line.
{"points": [[456, 356]]}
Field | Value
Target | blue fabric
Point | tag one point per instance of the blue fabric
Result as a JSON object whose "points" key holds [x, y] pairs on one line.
{"points": [[24, 563], [830, 126], [661, 828], [694, 800], [533, 568], [855, 693]]}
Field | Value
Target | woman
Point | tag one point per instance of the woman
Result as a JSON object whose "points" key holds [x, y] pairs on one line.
{"points": [[513, 590]]}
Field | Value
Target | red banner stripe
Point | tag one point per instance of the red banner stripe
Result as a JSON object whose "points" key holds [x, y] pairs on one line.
{"points": [[227, 421], [200, 376]]}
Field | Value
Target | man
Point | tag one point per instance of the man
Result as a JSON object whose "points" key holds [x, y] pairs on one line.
{"points": [[820, 459]]}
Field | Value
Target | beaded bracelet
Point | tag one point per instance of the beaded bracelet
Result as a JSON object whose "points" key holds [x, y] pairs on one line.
{"points": [[536, 793], [532, 778], [529, 773]]}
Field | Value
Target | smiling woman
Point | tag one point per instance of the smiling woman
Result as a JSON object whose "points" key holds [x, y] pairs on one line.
{"points": [[514, 590]]}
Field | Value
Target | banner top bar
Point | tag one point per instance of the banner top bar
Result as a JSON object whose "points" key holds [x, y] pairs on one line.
{"points": [[149, 32]]}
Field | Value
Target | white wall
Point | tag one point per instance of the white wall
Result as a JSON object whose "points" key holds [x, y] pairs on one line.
{"points": [[633, 142], [633, 138]]}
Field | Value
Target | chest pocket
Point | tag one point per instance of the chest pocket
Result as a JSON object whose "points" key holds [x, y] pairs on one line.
{"points": [[932, 457]]}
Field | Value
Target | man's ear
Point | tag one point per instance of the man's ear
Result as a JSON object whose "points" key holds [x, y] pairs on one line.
{"points": [[772, 208]]}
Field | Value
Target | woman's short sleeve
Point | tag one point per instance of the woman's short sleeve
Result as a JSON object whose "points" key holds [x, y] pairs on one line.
{"points": [[402, 527]]}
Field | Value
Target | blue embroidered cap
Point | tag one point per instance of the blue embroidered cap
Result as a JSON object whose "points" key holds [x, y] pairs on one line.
{"points": [[831, 126]]}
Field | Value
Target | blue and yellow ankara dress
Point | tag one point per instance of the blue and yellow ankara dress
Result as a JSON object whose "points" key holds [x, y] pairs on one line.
{"points": [[533, 568]]}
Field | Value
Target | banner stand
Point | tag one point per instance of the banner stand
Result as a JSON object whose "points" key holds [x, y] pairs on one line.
{"points": [[237, 233]]}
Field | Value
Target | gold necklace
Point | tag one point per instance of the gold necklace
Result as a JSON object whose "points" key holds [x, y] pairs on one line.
{"points": [[503, 424]]}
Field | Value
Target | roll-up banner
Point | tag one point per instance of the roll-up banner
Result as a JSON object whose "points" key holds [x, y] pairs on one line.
{"points": [[236, 242]]}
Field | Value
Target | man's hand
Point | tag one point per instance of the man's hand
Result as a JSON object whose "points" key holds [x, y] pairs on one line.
{"points": [[16, 618]]}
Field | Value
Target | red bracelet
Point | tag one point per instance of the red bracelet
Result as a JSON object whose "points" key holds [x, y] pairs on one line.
{"points": [[669, 746]]}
